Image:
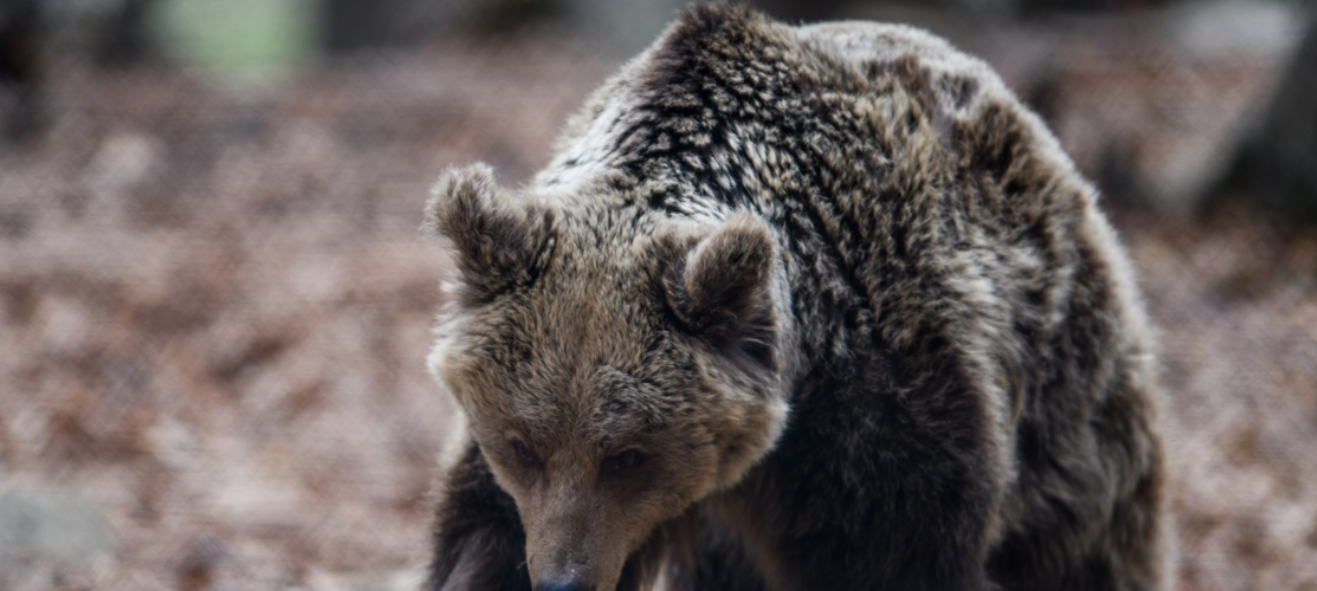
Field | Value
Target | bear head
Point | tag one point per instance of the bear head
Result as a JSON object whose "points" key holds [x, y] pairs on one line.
{"points": [[614, 370]]}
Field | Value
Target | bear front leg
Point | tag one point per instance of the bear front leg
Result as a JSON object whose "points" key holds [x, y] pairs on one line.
{"points": [[721, 563], [886, 479], [479, 544]]}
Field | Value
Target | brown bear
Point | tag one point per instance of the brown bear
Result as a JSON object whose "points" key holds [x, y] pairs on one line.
{"points": [[796, 308]]}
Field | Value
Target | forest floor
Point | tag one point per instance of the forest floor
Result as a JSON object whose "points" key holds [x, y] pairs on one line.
{"points": [[215, 306]]}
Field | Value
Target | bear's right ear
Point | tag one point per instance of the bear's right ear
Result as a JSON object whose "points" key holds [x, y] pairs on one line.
{"points": [[719, 287], [498, 245]]}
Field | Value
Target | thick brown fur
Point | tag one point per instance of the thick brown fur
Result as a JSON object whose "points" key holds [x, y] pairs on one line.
{"points": [[796, 308]]}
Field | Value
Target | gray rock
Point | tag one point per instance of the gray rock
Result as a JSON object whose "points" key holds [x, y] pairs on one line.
{"points": [[47, 523]]}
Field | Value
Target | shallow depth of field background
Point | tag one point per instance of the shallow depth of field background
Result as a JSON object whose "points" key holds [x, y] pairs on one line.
{"points": [[215, 304]]}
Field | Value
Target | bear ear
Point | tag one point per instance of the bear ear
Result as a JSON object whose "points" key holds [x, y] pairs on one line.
{"points": [[720, 288], [497, 245]]}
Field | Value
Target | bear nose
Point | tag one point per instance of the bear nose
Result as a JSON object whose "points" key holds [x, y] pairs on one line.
{"points": [[563, 586]]}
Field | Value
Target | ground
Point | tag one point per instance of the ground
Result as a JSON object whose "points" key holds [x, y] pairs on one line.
{"points": [[215, 306]]}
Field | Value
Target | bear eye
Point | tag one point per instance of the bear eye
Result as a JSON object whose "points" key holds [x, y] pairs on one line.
{"points": [[627, 460], [524, 453]]}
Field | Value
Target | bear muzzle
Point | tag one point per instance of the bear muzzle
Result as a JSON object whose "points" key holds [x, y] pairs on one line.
{"points": [[564, 586]]}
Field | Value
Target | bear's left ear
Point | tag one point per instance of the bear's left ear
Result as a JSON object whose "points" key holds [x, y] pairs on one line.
{"points": [[720, 288]]}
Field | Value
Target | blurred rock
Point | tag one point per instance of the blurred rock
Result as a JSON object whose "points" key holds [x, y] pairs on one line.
{"points": [[405, 579], [1225, 28], [46, 523], [1272, 169]]}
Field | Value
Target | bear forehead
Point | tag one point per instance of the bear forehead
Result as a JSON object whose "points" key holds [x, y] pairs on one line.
{"points": [[591, 402], [583, 345]]}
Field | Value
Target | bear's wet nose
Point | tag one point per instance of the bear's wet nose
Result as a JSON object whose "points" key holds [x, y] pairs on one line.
{"points": [[564, 586]]}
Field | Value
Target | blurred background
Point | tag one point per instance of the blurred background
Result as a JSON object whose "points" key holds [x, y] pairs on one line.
{"points": [[215, 306]]}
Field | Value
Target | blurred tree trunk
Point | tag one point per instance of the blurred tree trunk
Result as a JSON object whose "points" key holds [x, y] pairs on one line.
{"points": [[1275, 167], [22, 69], [123, 36], [1038, 7], [353, 25]]}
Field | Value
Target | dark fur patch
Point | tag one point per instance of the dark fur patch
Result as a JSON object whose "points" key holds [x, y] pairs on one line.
{"points": [[480, 542]]}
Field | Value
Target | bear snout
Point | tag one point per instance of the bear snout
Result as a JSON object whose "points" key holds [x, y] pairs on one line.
{"points": [[564, 586]]}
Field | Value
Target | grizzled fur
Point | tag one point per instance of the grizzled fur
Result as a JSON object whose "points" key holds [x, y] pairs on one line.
{"points": [[796, 308]]}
